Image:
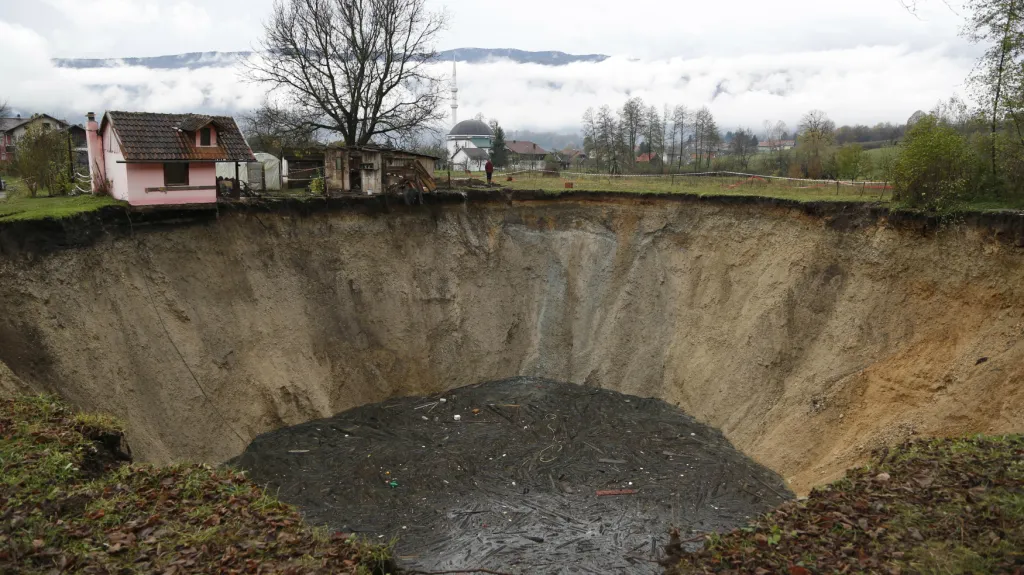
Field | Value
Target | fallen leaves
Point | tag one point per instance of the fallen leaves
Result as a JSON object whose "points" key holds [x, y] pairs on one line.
{"points": [[117, 518], [926, 501]]}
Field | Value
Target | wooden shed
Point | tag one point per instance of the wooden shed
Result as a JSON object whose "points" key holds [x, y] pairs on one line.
{"points": [[361, 169]]}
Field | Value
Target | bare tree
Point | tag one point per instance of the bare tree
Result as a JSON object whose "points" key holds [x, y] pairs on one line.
{"points": [[775, 134], [653, 136], [4, 109], [680, 120], [358, 68], [609, 138], [817, 134], [590, 139], [631, 120], [269, 129], [706, 136], [743, 147], [998, 78]]}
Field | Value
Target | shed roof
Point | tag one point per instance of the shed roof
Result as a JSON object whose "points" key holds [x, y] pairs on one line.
{"points": [[147, 137]]}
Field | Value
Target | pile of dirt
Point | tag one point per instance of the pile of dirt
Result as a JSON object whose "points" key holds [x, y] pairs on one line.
{"points": [[534, 475]]}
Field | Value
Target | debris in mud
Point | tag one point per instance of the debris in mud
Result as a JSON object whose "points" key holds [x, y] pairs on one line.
{"points": [[537, 477], [930, 506]]}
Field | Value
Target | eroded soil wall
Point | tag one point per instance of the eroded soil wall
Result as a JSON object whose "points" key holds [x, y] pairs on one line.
{"points": [[807, 345]]}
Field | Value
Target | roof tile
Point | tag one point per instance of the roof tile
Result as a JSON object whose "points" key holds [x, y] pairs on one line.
{"points": [[165, 137]]}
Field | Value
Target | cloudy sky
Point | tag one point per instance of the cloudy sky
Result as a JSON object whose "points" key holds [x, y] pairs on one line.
{"points": [[749, 60]]}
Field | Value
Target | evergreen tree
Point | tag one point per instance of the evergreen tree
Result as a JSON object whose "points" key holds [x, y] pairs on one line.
{"points": [[499, 153]]}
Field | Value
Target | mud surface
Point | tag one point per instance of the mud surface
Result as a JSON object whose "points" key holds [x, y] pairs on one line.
{"points": [[514, 485]]}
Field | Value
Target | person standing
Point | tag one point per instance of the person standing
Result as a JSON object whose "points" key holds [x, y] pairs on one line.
{"points": [[489, 168]]}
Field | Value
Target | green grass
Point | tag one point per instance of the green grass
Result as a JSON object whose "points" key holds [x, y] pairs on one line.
{"points": [[18, 206], [702, 186], [69, 505]]}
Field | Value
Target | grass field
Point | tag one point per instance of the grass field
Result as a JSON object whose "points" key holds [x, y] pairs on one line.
{"points": [[18, 206], [703, 186]]}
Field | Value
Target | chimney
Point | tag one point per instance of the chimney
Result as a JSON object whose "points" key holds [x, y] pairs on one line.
{"points": [[94, 146]]}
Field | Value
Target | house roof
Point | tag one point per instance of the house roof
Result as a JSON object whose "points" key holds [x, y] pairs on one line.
{"points": [[149, 137], [646, 157], [8, 124], [525, 148], [476, 153]]}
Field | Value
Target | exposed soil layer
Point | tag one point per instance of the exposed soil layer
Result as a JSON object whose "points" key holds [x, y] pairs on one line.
{"points": [[808, 334], [521, 483]]}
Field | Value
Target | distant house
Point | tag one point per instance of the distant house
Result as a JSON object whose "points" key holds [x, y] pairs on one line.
{"points": [[646, 158], [152, 159], [526, 155], [472, 159], [12, 130], [572, 157], [769, 145]]}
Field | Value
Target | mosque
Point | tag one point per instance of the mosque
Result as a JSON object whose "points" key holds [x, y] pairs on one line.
{"points": [[469, 142]]}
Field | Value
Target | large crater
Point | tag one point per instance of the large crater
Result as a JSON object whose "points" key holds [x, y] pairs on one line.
{"points": [[805, 342]]}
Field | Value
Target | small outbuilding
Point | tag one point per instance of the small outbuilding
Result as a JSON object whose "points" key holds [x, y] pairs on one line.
{"points": [[359, 169]]}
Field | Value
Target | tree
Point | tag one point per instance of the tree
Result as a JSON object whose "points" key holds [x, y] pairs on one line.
{"points": [[998, 78], [743, 147], [817, 134], [4, 110], [357, 68], [608, 139], [706, 137], [850, 161], [775, 134], [269, 129], [654, 137], [935, 168], [499, 152], [631, 118], [41, 159], [680, 117]]}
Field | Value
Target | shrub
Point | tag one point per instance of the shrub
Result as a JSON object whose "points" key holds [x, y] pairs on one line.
{"points": [[936, 168]]}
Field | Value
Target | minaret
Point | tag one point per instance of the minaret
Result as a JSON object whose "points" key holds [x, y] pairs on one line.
{"points": [[455, 95]]}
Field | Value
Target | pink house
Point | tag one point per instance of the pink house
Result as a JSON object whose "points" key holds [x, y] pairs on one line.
{"points": [[152, 159]]}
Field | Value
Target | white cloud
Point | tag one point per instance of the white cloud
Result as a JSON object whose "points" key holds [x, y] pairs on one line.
{"points": [[862, 85], [854, 85], [110, 13]]}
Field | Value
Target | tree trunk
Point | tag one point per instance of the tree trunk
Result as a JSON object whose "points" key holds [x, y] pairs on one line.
{"points": [[1003, 49]]}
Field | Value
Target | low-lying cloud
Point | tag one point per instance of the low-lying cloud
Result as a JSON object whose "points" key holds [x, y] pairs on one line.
{"points": [[855, 85]]}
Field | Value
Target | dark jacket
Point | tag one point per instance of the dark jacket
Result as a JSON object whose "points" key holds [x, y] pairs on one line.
{"points": [[488, 167]]}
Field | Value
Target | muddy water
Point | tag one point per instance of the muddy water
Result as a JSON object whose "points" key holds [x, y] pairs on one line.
{"points": [[517, 482]]}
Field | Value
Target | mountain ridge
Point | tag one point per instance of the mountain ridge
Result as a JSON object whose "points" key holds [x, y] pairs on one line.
{"points": [[194, 60]]}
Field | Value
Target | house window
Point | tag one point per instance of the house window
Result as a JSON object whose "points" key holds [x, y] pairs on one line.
{"points": [[46, 125], [204, 137], [337, 164], [175, 174]]}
